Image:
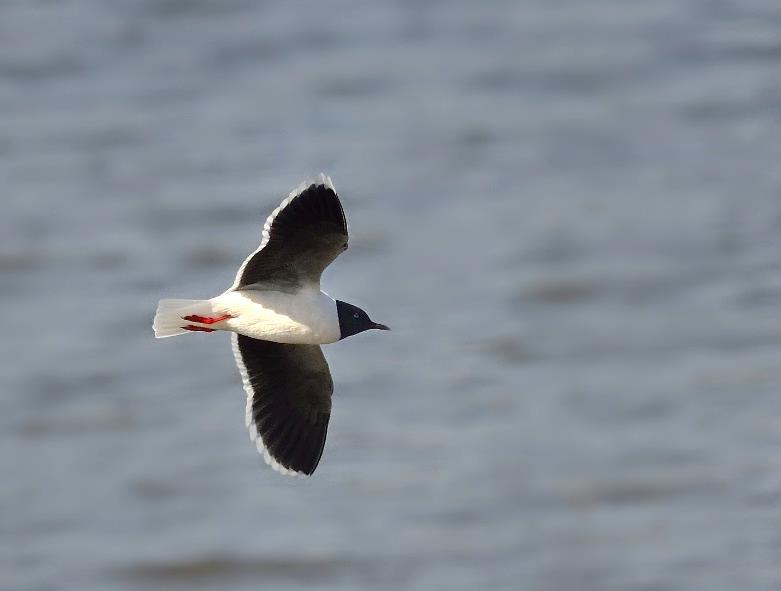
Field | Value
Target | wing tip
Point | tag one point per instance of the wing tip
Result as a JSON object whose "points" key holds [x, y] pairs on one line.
{"points": [[269, 459], [321, 180], [326, 181]]}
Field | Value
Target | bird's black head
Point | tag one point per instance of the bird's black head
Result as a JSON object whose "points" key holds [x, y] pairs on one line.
{"points": [[353, 320]]}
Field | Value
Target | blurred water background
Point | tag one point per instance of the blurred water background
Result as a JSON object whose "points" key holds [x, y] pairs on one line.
{"points": [[568, 211]]}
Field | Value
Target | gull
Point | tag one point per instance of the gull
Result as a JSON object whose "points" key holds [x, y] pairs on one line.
{"points": [[278, 317]]}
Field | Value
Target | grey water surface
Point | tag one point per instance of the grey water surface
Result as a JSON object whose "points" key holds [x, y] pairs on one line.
{"points": [[568, 211]]}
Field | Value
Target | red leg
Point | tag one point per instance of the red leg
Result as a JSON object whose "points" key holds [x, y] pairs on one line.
{"points": [[198, 328], [206, 319]]}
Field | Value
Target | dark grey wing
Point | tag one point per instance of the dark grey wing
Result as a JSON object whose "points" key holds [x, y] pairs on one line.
{"points": [[289, 391], [300, 239]]}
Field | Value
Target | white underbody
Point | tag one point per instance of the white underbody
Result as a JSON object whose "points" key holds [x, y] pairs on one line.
{"points": [[308, 317]]}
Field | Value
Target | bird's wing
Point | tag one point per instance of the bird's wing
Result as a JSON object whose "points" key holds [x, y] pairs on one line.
{"points": [[289, 391], [300, 239]]}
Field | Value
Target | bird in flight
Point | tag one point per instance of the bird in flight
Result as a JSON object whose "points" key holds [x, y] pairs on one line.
{"points": [[278, 317]]}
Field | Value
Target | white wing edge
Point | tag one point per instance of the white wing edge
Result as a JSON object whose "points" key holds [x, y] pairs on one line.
{"points": [[321, 179], [253, 430]]}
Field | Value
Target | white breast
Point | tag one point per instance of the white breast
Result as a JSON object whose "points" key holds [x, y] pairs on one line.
{"points": [[308, 317]]}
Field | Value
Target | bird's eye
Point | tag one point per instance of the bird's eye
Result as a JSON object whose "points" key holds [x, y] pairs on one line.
{"points": [[356, 316]]}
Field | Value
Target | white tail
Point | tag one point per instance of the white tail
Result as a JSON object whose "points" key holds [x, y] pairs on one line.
{"points": [[168, 320]]}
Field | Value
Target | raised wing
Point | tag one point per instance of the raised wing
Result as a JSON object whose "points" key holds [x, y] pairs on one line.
{"points": [[289, 391], [300, 239]]}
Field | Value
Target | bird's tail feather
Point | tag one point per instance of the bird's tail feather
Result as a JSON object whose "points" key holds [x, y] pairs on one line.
{"points": [[169, 320]]}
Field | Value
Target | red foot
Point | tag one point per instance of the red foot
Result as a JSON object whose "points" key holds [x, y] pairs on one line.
{"points": [[206, 319], [198, 328]]}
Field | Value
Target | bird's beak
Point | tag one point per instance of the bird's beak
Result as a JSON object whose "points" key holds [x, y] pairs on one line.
{"points": [[380, 326]]}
